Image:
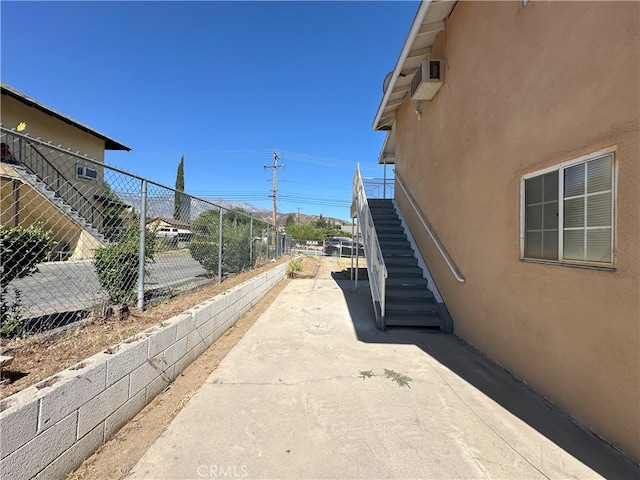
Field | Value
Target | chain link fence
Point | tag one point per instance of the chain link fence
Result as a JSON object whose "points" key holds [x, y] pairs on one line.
{"points": [[79, 236]]}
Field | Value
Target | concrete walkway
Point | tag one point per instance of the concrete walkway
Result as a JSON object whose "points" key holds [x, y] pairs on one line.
{"points": [[315, 391]]}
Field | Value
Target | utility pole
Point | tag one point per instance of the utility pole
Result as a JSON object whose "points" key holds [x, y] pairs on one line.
{"points": [[299, 208], [275, 167]]}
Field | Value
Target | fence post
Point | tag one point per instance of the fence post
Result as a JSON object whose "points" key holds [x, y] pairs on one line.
{"points": [[268, 241], [141, 250], [220, 249], [251, 244]]}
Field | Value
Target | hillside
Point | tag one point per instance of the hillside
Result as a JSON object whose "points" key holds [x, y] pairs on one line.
{"points": [[162, 206]]}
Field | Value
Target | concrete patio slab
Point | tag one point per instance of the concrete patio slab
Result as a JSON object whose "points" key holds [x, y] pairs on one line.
{"points": [[314, 390]]}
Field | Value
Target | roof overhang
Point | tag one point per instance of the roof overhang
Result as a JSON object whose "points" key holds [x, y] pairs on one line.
{"points": [[109, 143], [388, 152], [428, 22]]}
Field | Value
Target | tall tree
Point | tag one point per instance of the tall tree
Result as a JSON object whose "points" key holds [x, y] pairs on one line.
{"points": [[177, 203], [291, 220]]}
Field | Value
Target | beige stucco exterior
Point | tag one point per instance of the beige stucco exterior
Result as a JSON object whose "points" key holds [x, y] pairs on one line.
{"points": [[49, 128], [526, 88], [55, 165], [72, 242]]}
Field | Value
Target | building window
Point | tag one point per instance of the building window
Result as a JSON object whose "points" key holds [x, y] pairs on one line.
{"points": [[568, 212]]}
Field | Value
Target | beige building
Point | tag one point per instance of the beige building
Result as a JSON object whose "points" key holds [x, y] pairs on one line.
{"points": [[41, 183], [519, 145]]}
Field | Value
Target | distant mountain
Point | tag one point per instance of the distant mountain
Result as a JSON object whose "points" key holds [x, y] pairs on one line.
{"points": [[162, 206]]}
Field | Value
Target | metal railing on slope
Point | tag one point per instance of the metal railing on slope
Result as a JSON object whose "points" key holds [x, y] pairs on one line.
{"points": [[445, 256], [37, 164], [373, 254], [22, 151]]}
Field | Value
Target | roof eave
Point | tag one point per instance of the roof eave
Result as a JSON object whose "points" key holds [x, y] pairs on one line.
{"points": [[109, 143], [413, 32]]}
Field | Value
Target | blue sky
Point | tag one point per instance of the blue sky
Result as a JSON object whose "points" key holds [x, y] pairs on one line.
{"points": [[222, 83]]}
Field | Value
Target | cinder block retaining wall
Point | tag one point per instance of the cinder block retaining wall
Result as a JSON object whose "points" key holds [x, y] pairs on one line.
{"points": [[48, 429]]}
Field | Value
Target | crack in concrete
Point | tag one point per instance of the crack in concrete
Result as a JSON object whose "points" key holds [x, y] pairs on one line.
{"points": [[490, 428]]}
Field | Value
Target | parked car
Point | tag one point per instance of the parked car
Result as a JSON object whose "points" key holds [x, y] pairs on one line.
{"points": [[342, 247], [171, 232]]}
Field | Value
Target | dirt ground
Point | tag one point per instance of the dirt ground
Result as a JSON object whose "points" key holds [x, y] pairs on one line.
{"points": [[118, 456], [39, 356]]}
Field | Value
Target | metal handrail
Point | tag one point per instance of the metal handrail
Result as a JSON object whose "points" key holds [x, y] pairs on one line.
{"points": [[69, 194], [373, 254], [452, 267], [36, 163]]}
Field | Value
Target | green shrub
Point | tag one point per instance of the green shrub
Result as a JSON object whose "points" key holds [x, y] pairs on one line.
{"points": [[294, 267], [21, 249], [206, 253], [117, 265], [236, 241]]}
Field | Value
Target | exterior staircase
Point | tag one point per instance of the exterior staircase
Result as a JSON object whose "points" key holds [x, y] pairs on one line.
{"points": [[408, 299], [59, 202]]}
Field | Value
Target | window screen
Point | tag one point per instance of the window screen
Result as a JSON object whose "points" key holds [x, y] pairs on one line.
{"points": [[588, 218], [586, 209], [541, 214]]}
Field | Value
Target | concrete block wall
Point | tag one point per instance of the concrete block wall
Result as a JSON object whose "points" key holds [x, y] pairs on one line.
{"points": [[48, 429]]}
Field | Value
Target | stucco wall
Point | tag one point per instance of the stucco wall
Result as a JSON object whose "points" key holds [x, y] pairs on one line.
{"points": [[528, 88], [35, 208], [48, 128]]}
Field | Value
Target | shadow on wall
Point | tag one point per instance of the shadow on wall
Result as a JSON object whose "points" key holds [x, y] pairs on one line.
{"points": [[495, 382]]}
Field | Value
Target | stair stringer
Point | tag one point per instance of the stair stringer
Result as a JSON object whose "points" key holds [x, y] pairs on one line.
{"points": [[443, 311], [63, 207]]}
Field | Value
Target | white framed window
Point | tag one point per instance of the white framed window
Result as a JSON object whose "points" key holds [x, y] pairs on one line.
{"points": [[568, 214]]}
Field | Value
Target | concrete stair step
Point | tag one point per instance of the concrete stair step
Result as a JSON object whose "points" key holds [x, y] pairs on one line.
{"points": [[388, 252], [407, 282], [406, 273], [382, 208], [391, 234], [391, 262], [410, 308], [400, 255], [386, 221], [403, 293], [396, 270], [414, 320], [394, 243]]}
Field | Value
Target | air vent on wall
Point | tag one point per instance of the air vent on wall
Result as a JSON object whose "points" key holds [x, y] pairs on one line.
{"points": [[427, 80]]}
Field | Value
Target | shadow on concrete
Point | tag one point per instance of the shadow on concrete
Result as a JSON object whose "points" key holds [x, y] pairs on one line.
{"points": [[495, 382]]}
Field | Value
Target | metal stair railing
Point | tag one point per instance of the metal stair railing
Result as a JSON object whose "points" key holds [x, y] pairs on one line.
{"points": [[40, 166], [376, 267], [37, 164], [445, 256]]}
